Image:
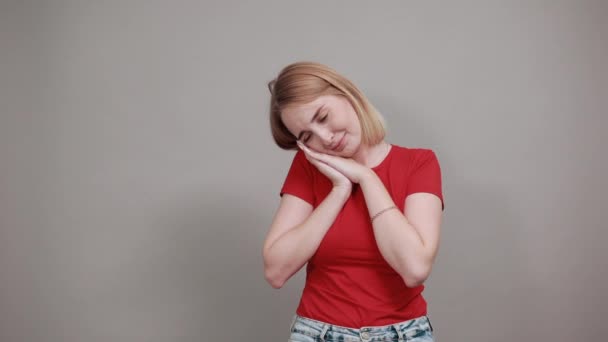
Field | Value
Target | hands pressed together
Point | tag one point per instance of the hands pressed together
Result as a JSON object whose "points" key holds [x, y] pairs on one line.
{"points": [[342, 172]]}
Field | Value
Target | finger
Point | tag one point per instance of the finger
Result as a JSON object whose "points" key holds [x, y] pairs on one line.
{"points": [[313, 160], [305, 150], [324, 158], [321, 166], [308, 151], [315, 154], [310, 158], [304, 147]]}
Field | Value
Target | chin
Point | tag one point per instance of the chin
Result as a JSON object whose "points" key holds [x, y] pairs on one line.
{"points": [[346, 153]]}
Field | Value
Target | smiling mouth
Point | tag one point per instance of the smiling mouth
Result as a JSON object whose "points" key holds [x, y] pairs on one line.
{"points": [[335, 148]]}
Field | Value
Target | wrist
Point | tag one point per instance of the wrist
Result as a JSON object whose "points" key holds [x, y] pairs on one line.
{"points": [[368, 175], [343, 191]]}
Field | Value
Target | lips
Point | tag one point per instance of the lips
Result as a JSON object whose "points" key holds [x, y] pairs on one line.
{"points": [[340, 144]]}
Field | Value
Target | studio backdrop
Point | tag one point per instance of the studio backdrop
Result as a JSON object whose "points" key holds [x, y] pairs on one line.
{"points": [[138, 176]]}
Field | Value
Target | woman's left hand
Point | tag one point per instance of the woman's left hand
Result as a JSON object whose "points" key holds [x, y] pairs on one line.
{"points": [[354, 171]]}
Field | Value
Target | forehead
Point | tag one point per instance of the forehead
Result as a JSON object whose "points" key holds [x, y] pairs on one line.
{"points": [[304, 109]]}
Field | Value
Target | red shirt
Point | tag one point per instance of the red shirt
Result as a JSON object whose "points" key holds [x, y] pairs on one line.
{"points": [[348, 282]]}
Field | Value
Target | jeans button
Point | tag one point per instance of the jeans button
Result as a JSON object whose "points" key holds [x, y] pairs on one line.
{"points": [[365, 335]]}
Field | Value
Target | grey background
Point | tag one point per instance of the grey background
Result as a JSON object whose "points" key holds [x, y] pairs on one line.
{"points": [[138, 177]]}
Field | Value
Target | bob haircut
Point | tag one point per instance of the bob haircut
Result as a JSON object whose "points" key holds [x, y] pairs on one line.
{"points": [[303, 82]]}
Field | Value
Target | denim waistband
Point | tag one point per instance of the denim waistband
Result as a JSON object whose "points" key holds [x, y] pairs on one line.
{"points": [[402, 331]]}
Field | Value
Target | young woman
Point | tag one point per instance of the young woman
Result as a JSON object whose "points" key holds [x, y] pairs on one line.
{"points": [[363, 214]]}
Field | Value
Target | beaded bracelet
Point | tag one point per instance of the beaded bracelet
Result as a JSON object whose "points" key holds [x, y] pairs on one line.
{"points": [[382, 211]]}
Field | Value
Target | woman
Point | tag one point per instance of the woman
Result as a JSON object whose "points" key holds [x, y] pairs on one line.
{"points": [[363, 214]]}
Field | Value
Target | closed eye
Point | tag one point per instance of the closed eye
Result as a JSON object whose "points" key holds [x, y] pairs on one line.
{"points": [[320, 120]]}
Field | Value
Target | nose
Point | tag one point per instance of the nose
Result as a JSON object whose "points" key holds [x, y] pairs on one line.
{"points": [[326, 137]]}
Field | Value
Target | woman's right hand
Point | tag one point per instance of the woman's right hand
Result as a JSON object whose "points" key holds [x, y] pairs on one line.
{"points": [[338, 179]]}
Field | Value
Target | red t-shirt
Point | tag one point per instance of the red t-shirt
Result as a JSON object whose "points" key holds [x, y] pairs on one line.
{"points": [[348, 282]]}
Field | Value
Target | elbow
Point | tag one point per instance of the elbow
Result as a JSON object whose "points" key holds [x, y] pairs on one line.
{"points": [[273, 278], [272, 275], [416, 276], [413, 281]]}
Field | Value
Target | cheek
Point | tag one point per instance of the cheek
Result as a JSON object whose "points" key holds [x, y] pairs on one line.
{"points": [[315, 146]]}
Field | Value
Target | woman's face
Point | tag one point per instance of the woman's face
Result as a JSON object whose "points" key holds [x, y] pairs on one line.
{"points": [[329, 124]]}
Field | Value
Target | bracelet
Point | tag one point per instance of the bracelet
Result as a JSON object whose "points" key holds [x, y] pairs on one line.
{"points": [[382, 211]]}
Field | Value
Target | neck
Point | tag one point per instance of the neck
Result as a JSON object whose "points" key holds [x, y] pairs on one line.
{"points": [[371, 156]]}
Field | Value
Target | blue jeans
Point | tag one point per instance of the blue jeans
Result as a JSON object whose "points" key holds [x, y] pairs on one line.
{"points": [[309, 330]]}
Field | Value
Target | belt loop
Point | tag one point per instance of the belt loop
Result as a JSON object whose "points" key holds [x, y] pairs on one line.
{"points": [[399, 332], [324, 331]]}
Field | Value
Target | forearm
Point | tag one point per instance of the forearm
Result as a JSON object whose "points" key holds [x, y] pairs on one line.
{"points": [[295, 247], [398, 241]]}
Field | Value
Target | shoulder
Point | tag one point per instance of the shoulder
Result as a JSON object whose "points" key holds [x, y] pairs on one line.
{"points": [[414, 155], [300, 165], [299, 155], [300, 158]]}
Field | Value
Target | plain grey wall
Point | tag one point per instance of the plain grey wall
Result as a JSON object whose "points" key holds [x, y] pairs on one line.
{"points": [[138, 177]]}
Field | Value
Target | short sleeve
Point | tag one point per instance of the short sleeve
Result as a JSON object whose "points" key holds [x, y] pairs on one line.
{"points": [[425, 175], [299, 180]]}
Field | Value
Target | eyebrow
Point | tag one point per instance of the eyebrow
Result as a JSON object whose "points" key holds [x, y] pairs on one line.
{"points": [[311, 120]]}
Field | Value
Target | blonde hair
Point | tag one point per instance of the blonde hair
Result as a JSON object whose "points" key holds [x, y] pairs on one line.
{"points": [[303, 82]]}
